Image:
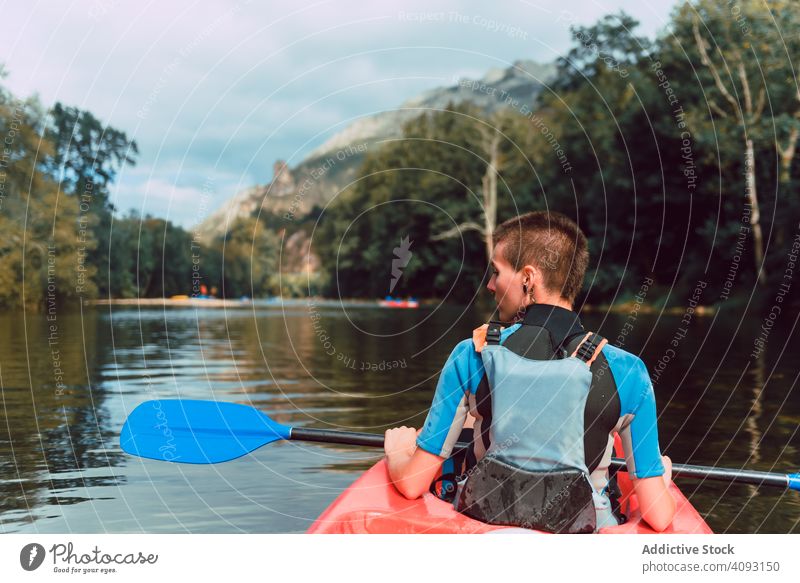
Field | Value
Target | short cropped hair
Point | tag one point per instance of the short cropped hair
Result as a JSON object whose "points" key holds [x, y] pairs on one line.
{"points": [[552, 243]]}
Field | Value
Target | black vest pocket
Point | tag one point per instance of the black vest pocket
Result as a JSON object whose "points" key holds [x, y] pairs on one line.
{"points": [[558, 501]]}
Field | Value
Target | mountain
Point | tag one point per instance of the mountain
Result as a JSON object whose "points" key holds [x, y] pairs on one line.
{"points": [[522, 82], [316, 180]]}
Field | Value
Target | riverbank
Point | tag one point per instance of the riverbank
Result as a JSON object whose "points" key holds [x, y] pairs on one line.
{"points": [[188, 302], [628, 307], [624, 307]]}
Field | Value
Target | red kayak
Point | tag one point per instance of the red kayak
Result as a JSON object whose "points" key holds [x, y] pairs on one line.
{"points": [[372, 505]]}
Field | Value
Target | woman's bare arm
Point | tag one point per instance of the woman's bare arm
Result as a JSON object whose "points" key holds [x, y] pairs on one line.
{"points": [[655, 500]]}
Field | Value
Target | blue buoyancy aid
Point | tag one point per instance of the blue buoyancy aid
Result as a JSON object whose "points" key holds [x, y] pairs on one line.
{"points": [[534, 473]]}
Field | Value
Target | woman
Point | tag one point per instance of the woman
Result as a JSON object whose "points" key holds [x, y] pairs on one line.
{"points": [[539, 262]]}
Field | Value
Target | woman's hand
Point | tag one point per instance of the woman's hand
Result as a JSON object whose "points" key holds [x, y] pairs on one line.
{"points": [[400, 443], [410, 468]]}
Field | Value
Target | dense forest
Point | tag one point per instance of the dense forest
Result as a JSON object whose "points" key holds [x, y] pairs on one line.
{"points": [[676, 155], [65, 241]]}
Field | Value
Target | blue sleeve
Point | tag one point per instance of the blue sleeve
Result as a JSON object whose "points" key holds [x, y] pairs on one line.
{"points": [[637, 399], [461, 375]]}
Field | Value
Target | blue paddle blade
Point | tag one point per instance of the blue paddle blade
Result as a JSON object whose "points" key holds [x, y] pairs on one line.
{"points": [[197, 432]]}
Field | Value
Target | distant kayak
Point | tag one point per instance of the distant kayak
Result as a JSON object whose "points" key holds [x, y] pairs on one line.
{"points": [[398, 303], [372, 505]]}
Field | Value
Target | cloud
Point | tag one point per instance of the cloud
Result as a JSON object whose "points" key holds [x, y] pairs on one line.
{"points": [[178, 199], [233, 85]]}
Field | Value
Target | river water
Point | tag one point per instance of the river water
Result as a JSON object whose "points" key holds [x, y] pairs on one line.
{"points": [[68, 383]]}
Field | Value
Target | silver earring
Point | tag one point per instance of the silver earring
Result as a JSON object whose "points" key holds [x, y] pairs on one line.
{"points": [[529, 294]]}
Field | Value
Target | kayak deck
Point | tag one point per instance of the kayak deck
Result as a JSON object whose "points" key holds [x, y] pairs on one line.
{"points": [[372, 505]]}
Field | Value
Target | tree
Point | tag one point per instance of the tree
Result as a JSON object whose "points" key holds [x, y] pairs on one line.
{"points": [[495, 146], [85, 161], [617, 179], [746, 50], [87, 152], [420, 187], [42, 252], [249, 253]]}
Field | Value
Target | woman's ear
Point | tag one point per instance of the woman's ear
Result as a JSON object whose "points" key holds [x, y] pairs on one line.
{"points": [[530, 275]]}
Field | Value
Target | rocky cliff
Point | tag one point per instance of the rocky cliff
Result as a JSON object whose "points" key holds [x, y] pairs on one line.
{"points": [[292, 193]]}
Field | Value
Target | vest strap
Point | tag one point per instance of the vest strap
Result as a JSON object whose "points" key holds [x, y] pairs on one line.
{"points": [[589, 347], [486, 334]]}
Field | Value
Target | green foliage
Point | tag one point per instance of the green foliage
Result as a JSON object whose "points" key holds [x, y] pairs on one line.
{"points": [[297, 285], [416, 187], [87, 155], [745, 89], [86, 151], [43, 251], [641, 141], [634, 139], [249, 253]]}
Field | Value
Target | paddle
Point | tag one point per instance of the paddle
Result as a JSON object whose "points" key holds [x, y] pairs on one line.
{"points": [[209, 432]]}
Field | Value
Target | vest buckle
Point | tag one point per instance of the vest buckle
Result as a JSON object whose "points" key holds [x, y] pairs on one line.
{"points": [[493, 332]]}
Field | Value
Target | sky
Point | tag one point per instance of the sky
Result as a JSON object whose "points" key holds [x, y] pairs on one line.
{"points": [[214, 92]]}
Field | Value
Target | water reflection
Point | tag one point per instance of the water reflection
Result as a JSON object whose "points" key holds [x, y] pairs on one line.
{"points": [[357, 368]]}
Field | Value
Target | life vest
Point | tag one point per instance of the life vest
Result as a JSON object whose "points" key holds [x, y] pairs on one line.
{"points": [[534, 472]]}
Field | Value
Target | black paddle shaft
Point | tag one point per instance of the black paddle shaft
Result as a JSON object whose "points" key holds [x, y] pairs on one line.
{"points": [[731, 475], [701, 472], [343, 437]]}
